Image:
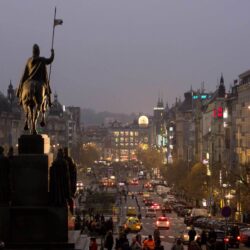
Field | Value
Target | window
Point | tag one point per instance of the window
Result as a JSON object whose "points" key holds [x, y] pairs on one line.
{"points": [[116, 133]]}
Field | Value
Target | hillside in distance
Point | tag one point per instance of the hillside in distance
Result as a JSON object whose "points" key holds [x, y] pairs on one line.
{"points": [[90, 117]]}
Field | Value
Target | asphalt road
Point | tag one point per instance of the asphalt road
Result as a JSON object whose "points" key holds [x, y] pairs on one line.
{"points": [[167, 236]]}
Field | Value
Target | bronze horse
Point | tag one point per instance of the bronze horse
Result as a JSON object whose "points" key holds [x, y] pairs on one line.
{"points": [[34, 101]]}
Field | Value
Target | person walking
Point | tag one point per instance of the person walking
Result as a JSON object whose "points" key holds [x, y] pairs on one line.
{"points": [[156, 234], [109, 240], [149, 244], [158, 245], [193, 245], [93, 244], [178, 245], [135, 245], [191, 234]]}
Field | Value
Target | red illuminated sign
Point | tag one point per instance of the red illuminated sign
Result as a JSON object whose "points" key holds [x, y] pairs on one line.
{"points": [[218, 113]]}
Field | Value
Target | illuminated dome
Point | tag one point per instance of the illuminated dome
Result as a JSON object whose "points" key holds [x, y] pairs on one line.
{"points": [[143, 121]]}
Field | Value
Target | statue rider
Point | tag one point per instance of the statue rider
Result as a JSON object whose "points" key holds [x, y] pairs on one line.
{"points": [[35, 69]]}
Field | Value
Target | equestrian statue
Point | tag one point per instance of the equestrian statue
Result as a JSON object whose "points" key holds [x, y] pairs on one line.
{"points": [[34, 89]]}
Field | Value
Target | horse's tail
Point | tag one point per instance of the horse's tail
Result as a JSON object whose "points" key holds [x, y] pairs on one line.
{"points": [[32, 93]]}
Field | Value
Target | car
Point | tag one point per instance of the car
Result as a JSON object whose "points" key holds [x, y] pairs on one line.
{"points": [[151, 212], [134, 182], [148, 202], [219, 243], [233, 237], [132, 224], [166, 209], [162, 222], [145, 195], [131, 212], [147, 185], [245, 236], [155, 206]]}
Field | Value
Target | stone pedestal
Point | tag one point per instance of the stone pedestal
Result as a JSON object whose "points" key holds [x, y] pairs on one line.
{"points": [[30, 222]]}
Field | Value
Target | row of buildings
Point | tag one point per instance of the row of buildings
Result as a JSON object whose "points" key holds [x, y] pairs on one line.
{"points": [[62, 124], [208, 127]]}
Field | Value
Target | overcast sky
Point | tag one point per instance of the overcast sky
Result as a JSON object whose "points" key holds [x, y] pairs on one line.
{"points": [[120, 56]]}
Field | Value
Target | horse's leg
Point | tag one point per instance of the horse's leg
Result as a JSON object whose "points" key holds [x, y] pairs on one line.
{"points": [[26, 110], [33, 124], [42, 123], [36, 115]]}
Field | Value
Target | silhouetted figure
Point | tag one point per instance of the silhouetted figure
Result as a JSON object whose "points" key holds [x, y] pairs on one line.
{"points": [[109, 240], [72, 176], [93, 244], [11, 152], [191, 234], [35, 69], [59, 181], [4, 178]]}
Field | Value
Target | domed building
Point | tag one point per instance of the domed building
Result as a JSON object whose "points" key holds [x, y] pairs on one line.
{"points": [[143, 121], [63, 126], [127, 139]]}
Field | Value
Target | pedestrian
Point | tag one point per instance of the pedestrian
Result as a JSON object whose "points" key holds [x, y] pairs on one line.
{"points": [[135, 245], [158, 245], [178, 245], [149, 244], [93, 244], [109, 240], [203, 237], [191, 234], [156, 234], [193, 245]]}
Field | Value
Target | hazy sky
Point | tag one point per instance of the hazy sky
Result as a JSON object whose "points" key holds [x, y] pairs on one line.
{"points": [[121, 55]]}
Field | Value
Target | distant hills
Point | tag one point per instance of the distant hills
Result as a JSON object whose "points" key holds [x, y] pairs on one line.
{"points": [[91, 117]]}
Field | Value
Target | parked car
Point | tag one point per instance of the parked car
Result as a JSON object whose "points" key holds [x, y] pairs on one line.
{"points": [[245, 236], [218, 243], [233, 237]]}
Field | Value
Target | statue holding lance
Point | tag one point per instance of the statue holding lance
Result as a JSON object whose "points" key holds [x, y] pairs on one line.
{"points": [[34, 88]]}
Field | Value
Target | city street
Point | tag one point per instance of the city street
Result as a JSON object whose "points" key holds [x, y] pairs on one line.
{"points": [[167, 236]]}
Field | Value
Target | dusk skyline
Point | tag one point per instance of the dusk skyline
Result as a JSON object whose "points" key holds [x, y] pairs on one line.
{"points": [[121, 56]]}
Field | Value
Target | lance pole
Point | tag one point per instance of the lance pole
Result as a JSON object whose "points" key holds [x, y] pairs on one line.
{"points": [[52, 44]]}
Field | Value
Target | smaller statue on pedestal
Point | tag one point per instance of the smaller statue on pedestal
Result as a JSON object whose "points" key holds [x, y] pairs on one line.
{"points": [[59, 184], [72, 175], [4, 178]]}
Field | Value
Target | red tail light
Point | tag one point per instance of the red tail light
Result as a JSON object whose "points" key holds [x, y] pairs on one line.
{"points": [[238, 237], [157, 222], [226, 240]]}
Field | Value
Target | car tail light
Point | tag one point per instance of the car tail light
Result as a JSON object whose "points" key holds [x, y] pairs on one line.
{"points": [[238, 237], [168, 223], [157, 222], [226, 240]]}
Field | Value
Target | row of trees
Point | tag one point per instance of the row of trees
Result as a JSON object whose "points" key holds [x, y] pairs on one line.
{"points": [[189, 180], [194, 182]]}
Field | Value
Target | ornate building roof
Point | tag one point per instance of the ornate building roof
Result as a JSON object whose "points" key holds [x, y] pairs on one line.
{"points": [[57, 108], [4, 104]]}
